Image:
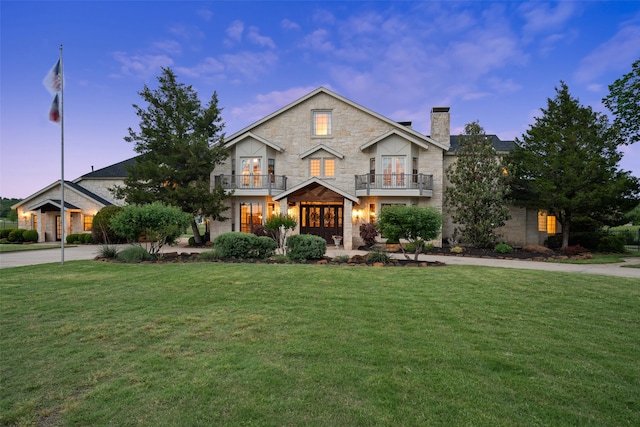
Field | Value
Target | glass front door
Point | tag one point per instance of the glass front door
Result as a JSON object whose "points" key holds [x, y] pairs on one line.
{"points": [[322, 220]]}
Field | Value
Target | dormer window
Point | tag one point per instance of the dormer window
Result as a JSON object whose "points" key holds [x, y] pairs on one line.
{"points": [[322, 123], [322, 167]]}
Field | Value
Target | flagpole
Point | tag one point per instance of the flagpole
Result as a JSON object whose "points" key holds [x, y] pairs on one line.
{"points": [[62, 210]]}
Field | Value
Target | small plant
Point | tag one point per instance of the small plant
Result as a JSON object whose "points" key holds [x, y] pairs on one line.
{"points": [[378, 255], [457, 249], [503, 248], [341, 259], [134, 254], [368, 233], [410, 247], [208, 255], [428, 247], [108, 251], [280, 259]]}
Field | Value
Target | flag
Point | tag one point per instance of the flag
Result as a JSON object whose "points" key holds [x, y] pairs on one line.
{"points": [[54, 112], [53, 79]]}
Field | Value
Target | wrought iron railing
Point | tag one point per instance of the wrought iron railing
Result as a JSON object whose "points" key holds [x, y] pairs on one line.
{"points": [[252, 182], [394, 181]]}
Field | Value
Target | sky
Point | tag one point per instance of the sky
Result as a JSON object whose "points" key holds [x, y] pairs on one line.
{"points": [[494, 62]]}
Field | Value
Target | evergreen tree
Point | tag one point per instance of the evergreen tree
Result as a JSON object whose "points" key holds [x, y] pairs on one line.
{"points": [[567, 165], [180, 143], [624, 102], [476, 199]]}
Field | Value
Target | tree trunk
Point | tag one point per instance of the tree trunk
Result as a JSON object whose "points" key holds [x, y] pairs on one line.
{"points": [[565, 235], [196, 232]]}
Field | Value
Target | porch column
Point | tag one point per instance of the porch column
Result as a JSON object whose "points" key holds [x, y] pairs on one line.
{"points": [[347, 225]]}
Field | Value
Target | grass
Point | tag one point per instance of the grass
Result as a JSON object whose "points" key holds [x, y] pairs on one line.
{"points": [[254, 344], [16, 247], [598, 258]]}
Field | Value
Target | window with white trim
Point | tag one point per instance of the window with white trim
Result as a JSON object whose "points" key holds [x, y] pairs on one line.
{"points": [[322, 123]]}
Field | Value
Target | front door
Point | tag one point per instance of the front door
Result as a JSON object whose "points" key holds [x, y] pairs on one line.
{"points": [[321, 220]]}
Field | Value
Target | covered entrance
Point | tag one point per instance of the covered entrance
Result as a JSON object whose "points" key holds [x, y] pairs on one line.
{"points": [[324, 220]]}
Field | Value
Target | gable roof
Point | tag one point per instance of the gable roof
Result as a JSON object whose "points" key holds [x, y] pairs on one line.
{"points": [[394, 132], [499, 145], [315, 180], [68, 184], [399, 126], [235, 140], [319, 147], [118, 170]]}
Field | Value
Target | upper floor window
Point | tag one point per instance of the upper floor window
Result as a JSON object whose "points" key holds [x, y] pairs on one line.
{"points": [[322, 123], [322, 167]]}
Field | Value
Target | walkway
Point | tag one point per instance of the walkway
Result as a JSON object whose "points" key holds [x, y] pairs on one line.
{"points": [[86, 252]]}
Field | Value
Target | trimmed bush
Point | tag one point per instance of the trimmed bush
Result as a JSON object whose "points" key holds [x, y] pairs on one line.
{"points": [[101, 231], [264, 247], [30, 236], [15, 236], [612, 243], [4, 233], [235, 245], [503, 248], [134, 254], [302, 247]]}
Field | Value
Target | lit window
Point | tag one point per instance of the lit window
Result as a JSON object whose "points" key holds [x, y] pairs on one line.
{"points": [[551, 224], [546, 223], [322, 167], [322, 123], [88, 222]]}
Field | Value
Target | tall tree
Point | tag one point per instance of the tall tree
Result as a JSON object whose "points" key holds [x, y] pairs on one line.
{"points": [[476, 199], [567, 165], [180, 142], [624, 102]]}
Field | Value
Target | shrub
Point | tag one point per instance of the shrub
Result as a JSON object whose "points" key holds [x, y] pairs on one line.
{"points": [[15, 235], [134, 254], [428, 247], [612, 243], [235, 245], [378, 255], [368, 233], [503, 248], [412, 223], [457, 249], [191, 241], [87, 238], [4, 233], [30, 236], [410, 247], [101, 231], [108, 251], [280, 259], [573, 250], [278, 226], [302, 247], [264, 247]]}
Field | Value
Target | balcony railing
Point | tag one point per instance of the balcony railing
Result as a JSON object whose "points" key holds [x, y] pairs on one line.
{"points": [[253, 182], [394, 181]]}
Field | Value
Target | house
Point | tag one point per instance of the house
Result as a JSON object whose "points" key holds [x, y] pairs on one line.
{"points": [[333, 164], [324, 159], [83, 198]]}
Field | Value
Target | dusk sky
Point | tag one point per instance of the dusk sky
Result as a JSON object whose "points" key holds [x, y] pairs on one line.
{"points": [[495, 62]]}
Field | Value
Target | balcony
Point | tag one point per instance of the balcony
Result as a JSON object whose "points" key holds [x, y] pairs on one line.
{"points": [[390, 184], [253, 185]]}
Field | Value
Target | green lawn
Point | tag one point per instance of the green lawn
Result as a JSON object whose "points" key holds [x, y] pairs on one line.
{"points": [[15, 247], [215, 344]]}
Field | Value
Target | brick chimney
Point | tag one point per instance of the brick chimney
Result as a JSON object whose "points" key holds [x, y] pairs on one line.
{"points": [[441, 125]]}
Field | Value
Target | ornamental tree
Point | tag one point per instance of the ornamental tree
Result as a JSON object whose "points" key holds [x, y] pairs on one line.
{"points": [[157, 223], [180, 142], [567, 165], [278, 226], [412, 223], [476, 199]]}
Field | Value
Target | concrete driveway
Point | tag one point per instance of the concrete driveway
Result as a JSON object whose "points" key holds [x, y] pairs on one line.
{"points": [[87, 252]]}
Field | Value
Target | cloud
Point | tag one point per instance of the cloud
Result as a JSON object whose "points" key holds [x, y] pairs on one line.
{"points": [[235, 30], [209, 66], [617, 53], [170, 47], [265, 104], [248, 64], [142, 66], [318, 40], [289, 25], [205, 14], [264, 41], [542, 17]]}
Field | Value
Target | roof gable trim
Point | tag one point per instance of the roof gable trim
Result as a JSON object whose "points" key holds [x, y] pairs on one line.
{"points": [[322, 147]]}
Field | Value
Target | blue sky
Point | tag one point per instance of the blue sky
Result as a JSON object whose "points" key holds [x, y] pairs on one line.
{"points": [[495, 62]]}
